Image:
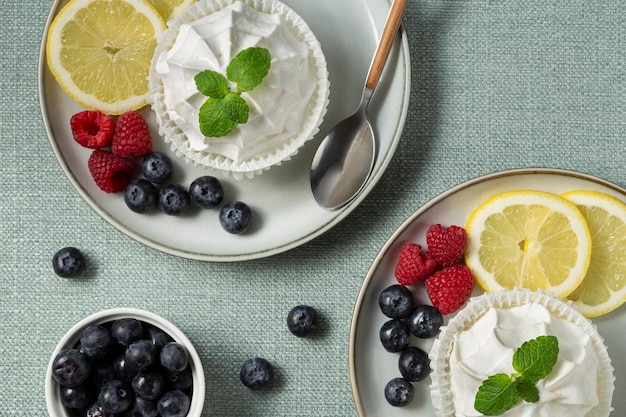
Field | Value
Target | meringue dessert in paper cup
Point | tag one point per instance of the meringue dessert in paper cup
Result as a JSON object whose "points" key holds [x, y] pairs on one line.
{"points": [[480, 342], [285, 109]]}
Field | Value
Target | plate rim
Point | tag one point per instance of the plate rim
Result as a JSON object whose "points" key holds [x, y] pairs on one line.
{"points": [[408, 221], [404, 53]]}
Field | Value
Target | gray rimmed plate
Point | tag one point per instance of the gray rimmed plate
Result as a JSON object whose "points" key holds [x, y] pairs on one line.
{"points": [[286, 215], [371, 366]]}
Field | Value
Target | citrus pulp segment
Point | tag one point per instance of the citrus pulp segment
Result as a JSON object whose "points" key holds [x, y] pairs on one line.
{"points": [[604, 286], [100, 52], [528, 239]]}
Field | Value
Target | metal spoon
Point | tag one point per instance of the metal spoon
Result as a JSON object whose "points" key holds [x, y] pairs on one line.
{"points": [[345, 158]]}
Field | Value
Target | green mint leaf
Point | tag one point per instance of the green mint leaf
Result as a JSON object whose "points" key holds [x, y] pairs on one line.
{"points": [[249, 67], [496, 395], [237, 106], [535, 359], [224, 109], [220, 116], [212, 84], [528, 391]]}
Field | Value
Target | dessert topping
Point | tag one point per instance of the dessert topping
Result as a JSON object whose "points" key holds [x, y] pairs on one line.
{"points": [[284, 108], [532, 362], [224, 110]]}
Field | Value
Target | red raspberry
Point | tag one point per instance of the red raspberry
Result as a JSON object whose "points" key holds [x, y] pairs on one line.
{"points": [[92, 128], [449, 288], [446, 244], [414, 265], [132, 136], [112, 173]]}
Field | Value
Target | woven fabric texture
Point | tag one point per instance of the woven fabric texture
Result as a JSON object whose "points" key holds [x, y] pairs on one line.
{"points": [[495, 85]]}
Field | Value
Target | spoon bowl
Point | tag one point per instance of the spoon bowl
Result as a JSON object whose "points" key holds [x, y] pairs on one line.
{"points": [[341, 167], [345, 158]]}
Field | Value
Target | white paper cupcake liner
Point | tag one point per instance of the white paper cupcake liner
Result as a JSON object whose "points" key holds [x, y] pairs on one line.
{"points": [[440, 388], [257, 164]]}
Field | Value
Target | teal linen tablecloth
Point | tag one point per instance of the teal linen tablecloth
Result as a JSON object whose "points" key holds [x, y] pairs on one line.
{"points": [[496, 84]]}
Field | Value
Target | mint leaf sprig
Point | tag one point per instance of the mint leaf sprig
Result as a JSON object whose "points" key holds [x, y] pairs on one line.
{"points": [[225, 109], [532, 362]]}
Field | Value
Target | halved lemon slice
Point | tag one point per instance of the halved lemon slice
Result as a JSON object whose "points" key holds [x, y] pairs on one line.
{"points": [[604, 286], [528, 239], [100, 52], [170, 8]]}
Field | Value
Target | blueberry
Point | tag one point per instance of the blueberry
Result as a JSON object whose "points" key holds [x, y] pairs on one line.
{"points": [[256, 373], [425, 321], [76, 397], [142, 408], [140, 354], [414, 364], [123, 370], [96, 410], [206, 191], [174, 200], [182, 380], [157, 167], [173, 404], [148, 384], [236, 217], [157, 336], [396, 301], [71, 368], [126, 330], [395, 335], [96, 342], [301, 320], [141, 195], [399, 392], [116, 396], [68, 262], [101, 373], [174, 357]]}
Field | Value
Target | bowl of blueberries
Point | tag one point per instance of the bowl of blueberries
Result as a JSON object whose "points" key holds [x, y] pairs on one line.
{"points": [[124, 362]]}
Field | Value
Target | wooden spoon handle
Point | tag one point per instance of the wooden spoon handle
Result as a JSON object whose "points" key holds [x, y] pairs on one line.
{"points": [[382, 50]]}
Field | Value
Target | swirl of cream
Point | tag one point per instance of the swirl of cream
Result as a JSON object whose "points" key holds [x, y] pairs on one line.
{"points": [[487, 348], [278, 106]]}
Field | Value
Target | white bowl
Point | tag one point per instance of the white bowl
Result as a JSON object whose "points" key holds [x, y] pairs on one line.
{"points": [[53, 399]]}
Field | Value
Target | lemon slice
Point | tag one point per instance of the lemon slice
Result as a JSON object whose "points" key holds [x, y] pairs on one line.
{"points": [[100, 52], [528, 239], [604, 286], [170, 8]]}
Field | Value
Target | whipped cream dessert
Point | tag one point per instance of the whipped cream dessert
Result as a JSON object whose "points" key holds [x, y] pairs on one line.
{"points": [[480, 342], [286, 109]]}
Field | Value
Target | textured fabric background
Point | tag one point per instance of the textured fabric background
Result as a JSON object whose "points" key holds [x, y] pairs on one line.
{"points": [[495, 85]]}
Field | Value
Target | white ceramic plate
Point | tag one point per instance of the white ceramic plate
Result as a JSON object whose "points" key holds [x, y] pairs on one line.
{"points": [[286, 215], [371, 366]]}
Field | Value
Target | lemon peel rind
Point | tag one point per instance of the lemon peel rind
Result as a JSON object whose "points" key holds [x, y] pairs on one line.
{"points": [[475, 226], [64, 77]]}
